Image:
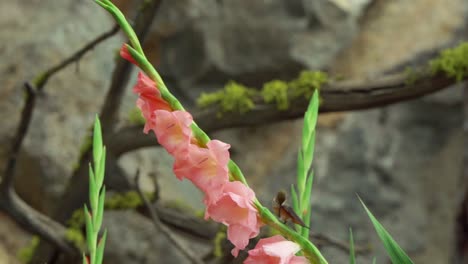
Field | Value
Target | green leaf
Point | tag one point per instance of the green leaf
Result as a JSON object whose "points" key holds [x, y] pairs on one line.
{"points": [[101, 170], [100, 209], [294, 199], [301, 174], [305, 205], [85, 260], [310, 118], [394, 251], [100, 248], [352, 257], [90, 237], [374, 260], [295, 205], [97, 141], [93, 192]]}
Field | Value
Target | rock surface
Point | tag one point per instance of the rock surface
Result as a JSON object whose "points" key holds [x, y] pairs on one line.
{"points": [[404, 160]]}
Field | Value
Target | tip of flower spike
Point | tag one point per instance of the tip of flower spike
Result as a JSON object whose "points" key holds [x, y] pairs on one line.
{"points": [[124, 53]]}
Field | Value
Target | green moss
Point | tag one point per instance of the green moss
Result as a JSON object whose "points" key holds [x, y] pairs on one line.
{"points": [[26, 253], [76, 237], [136, 117], [233, 98], [123, 201], [453, 62], [218, 242], [307, 83], [127, 200], [77, 219], [209, 99], [276, 91], [179, 205], [238, 98], [411, 76], [39, 79]]}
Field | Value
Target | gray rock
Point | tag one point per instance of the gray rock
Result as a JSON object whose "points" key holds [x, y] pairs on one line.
{"points": [[249, 41], [134, 239]]}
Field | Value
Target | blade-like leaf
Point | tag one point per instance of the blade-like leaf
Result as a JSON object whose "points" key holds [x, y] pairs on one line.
{"points": [[296, 206], [352, 257], [100, 209], [301, 174], [394, 251], [305, 204], [102, 169], [97, 141], [294, 199], [309, 152], [310, 118], [93, 192], [91, 241], [85, 260], [100, 248]]}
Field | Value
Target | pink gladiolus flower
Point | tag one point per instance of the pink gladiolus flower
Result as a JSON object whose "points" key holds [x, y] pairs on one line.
{"points": [[275, 250], [173, 130], [149, 101], [205, 167], [124, 53], [234, 208]]}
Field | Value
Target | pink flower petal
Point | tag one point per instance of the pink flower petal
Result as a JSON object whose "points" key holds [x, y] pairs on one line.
{"points": [[149, 100], [239, 236], [275, 250], [173, 130]]}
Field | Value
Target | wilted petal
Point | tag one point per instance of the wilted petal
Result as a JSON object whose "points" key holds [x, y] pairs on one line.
{"points": [[124, 53]]}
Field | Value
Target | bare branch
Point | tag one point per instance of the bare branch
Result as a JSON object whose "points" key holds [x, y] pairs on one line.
{"points": [[338, 96], [323, 240], [42, 79], [26, 216], [35, 222], [162, 228]]}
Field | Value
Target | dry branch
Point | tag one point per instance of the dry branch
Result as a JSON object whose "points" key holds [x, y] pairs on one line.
{"points": [[22, 213], [187, 252], [336, 97]]}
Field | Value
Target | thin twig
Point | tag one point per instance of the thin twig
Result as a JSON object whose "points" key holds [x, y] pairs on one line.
{"points": [[41, 80], [162, 228], [25, 215], [26, 115], [323, 240]]}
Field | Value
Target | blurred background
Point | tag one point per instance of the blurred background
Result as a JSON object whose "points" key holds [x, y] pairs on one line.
{"points": [[404, 160]]}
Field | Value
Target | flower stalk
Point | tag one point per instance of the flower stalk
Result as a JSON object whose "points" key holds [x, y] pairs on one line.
{"points": [[267, 217]]}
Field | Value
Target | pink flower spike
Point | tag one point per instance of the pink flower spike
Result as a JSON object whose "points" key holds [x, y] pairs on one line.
{"points": [[275, 250], [234, 208], [173, 130], [205, 167], [124, 53]]}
